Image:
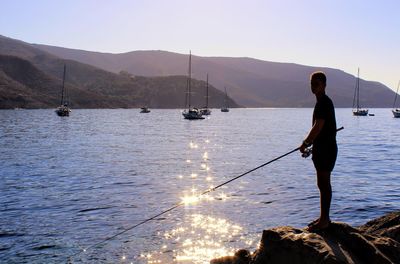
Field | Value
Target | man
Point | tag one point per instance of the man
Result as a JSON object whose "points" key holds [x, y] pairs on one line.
{"points": [[323, 138]]}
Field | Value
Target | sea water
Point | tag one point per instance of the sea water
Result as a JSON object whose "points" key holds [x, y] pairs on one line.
{"points": [[68, 183]]}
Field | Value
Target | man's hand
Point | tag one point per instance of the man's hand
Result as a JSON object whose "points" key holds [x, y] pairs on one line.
{"points": [[303, 148]]}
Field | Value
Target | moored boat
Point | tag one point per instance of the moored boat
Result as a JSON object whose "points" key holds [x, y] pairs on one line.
{"points": [[225, 107], [206, 110], [191, 113], [144, 110], [357, 110], [63, 109]]}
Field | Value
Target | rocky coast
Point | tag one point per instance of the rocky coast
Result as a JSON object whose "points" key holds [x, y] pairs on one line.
{"points": [[377, 241]]}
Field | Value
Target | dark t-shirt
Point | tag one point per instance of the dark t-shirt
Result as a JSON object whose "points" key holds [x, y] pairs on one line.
{"points": [[325, 110]]}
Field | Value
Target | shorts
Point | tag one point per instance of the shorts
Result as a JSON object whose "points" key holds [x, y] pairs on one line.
{"points": [[324, 157]]}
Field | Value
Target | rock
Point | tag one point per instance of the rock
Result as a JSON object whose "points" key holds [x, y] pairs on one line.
{"points": [[242, 256], [375, 242], [388, 226]]}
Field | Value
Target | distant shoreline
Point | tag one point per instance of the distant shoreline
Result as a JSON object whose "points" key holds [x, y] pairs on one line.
{"points": [[138, 108]]}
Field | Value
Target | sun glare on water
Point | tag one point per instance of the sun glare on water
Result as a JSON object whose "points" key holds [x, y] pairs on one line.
{"points": [[198, 237], [198, 241]]}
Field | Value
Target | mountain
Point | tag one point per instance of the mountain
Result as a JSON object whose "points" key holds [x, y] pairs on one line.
{"points": [[32, 78], [23, 85], [251, 82]]}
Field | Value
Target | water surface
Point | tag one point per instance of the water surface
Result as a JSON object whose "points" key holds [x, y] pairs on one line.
{"points": [[68, 183]]}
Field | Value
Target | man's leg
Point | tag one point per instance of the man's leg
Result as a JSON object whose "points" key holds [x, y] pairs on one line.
{"points": [[325, 189]]}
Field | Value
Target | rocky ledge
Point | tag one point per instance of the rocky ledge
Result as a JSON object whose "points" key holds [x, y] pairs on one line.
{"points": [[378, 241]]}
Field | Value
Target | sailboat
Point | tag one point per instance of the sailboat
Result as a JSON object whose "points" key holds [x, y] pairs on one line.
{"points": [[225, 108], [144, 110], [63, 109], [206, 110], [396, 111], [191, 113], [357, 111]]}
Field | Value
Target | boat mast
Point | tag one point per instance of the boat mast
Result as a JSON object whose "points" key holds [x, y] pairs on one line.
{"points": [[395, 97], [62, 91], [190, 75], [186, 92], [66, 94], [207, 93], [358, 88], [226, 98]]}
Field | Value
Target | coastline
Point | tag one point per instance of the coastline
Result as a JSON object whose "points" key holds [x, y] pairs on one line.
{"points": [[377, 241]]}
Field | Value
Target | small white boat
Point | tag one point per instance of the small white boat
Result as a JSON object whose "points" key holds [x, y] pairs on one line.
{"points": [[144, 110], [224, 109], [360, 112], [192, 114], [396, 112], [205, 111], [357, 110], [63, 110]]}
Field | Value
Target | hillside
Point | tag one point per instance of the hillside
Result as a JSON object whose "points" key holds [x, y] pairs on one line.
{"points": [[251, 82], [22, 85], [31, 78]]}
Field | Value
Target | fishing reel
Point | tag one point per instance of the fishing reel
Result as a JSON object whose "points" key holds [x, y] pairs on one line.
{"points": [[307, 152]]}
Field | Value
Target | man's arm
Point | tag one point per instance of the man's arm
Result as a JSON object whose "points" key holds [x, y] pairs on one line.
{"points": [[314, 132]]}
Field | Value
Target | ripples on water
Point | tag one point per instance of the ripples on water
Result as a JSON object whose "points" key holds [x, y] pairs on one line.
{"points": [[68, 183]]}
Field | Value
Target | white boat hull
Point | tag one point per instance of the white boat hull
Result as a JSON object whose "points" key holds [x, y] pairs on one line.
{"points": [[396, 113], [205, 111], [360, 112], [192, 114], [144, 110], [63, 111]]}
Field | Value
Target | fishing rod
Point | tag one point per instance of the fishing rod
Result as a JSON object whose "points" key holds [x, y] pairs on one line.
{"points": [[182, 202]]}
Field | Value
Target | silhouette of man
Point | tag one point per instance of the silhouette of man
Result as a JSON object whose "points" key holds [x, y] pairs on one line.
{"points": [[323, 138]]}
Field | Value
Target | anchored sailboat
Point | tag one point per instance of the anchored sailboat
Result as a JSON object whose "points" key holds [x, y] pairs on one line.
{"points": [[63, 109], [206, 110], [225, 108], [191, 113], [396, 111], [357, 110], [144, 110]]}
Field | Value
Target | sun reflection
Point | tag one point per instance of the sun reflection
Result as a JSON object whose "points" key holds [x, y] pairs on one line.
{"points": [[195, 198], [193, 145], [221, 196], [198, 238], [190, 200], [202, 239]]}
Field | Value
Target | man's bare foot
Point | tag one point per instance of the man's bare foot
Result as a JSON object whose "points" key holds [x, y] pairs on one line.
{"points": [[313, 222], [319, 225]]}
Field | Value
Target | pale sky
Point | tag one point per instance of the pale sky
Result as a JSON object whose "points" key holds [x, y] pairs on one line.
{"points": [[343, 34]]}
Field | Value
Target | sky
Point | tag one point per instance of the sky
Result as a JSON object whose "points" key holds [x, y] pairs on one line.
{"points": [[342, 34]]}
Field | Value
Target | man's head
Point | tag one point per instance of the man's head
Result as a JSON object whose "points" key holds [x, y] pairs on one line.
{"points": [[318, 82]]}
